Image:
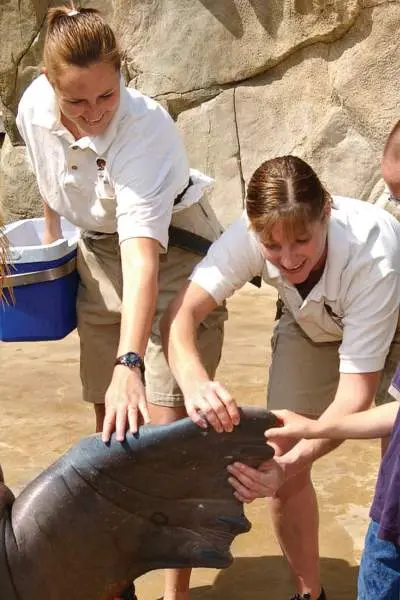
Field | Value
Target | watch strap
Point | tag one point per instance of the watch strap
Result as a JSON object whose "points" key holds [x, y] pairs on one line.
{"points": [[131, 360]]}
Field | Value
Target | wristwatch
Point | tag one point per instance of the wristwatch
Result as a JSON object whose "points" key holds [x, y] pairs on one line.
{"points": [[131, 360]]}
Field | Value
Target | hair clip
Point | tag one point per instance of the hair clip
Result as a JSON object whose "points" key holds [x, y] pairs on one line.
{"points": [[72, 13]]}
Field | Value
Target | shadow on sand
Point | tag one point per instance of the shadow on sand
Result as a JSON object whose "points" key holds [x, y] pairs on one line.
{"points": [[267, 578]]}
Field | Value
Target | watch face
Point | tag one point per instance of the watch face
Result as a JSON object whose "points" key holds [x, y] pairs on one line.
{"points": [[131, 359]]}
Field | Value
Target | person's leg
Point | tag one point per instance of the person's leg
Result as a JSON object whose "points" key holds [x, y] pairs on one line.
{"points": [[99, 414], [177, 581], [379, 573], [303, 377], [165, 400], [98, 307], [294, 512]]}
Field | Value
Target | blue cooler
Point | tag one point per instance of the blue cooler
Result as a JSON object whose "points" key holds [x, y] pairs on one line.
{"points": [[44, 280]]}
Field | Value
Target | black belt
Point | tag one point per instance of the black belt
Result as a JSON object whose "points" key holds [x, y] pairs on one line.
{"points": [[183, 192], [180, 238], [192, 242]]}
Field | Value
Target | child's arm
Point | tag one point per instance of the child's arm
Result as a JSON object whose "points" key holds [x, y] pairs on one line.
{"points": [[373, 423]]}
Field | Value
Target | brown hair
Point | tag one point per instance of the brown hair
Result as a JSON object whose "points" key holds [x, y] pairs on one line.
{"points": [[285, 190], [78, 37]]}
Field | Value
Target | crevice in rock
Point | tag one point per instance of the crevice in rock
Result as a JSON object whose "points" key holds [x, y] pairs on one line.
{"points": [[239, 154], [18, 61], [375, 5], [10, 101], [177, 103], [327, 39]]}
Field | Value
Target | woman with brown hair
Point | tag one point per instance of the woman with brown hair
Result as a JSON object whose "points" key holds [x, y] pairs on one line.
{"points": [[335, 263], [110, 160]]}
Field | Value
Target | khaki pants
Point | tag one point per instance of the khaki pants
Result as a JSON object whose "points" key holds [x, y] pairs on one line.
{"points": [[99, 313], [304, 376]]}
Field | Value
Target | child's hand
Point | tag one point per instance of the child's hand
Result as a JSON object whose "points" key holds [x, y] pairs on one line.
{"points": [[293, 426]]}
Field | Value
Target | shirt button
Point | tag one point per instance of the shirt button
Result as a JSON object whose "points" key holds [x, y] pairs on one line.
{"points": [[74, 147], [74, 167]]}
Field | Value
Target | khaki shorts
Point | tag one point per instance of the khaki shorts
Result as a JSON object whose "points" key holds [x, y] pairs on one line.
{"points": [[99, 314], [304, 376]]}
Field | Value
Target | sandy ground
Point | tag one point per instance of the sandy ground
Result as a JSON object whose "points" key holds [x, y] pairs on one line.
{"points": [[42, 416]]}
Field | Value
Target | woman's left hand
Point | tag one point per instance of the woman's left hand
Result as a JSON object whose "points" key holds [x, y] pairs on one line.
{"points": [[250, 483], [125, 399]]}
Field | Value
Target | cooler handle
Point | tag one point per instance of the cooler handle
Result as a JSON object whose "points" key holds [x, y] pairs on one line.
{"points": [[14, 281]]}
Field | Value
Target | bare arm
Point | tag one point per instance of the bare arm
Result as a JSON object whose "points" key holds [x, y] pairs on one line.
{"points": [[52, 225], [205, 401], [140, 260], [355, 393], [125, 397], [178, 334], [369, 424]]}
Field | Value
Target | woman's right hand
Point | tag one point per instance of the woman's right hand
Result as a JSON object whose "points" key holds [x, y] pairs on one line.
{"points": [[125, 402], [210, 403]]}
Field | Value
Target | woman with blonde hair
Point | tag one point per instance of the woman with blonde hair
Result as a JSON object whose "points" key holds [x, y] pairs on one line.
{"points": [[335, 263], [3, 257], [111, 161]]}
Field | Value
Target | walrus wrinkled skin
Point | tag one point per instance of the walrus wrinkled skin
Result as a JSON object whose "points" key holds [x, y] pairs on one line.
{"points": [[104, 514]]}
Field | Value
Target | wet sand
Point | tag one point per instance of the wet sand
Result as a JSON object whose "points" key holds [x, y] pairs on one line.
{"points": [[42, 416]]}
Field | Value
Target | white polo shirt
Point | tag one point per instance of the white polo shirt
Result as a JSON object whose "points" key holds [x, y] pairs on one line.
{"points": [[357, 298], [142, 168]]}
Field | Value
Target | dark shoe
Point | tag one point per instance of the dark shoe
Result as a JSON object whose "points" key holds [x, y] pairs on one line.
{"points": [[308, 597], [129, 593]]}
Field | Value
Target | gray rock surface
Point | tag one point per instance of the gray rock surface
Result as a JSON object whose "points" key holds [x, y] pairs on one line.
{"points": [[246, 80], [18, 189]]}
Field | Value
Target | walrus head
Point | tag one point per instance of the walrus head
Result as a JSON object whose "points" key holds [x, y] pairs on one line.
{"points": [[104, 514]]}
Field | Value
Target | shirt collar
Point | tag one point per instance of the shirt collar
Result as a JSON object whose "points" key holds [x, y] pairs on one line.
{"points": [[47, 113], [339, 254]]}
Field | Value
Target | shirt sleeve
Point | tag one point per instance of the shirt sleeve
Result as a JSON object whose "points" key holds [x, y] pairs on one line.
{"points": [[147, 178], [21, 128], [231, 262], [370, 322]]}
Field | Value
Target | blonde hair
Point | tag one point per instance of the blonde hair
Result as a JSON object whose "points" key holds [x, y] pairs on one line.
{"points": [[285, 190], [78, 37], [4, 261]]}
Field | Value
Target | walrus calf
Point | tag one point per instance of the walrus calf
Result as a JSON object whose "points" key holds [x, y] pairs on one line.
{"points": [[104, 514]]}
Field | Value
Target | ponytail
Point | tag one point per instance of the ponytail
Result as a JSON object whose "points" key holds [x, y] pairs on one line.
{"points": [[79, 37]]}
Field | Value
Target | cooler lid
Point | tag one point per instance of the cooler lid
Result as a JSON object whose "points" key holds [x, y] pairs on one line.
{"points": [[25, 238]]}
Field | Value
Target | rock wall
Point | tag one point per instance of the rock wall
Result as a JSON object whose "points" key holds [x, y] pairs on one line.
{"points": [[246, 80]]}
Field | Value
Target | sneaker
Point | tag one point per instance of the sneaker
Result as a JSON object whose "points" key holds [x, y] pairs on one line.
{"points": [[307, 596]]}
